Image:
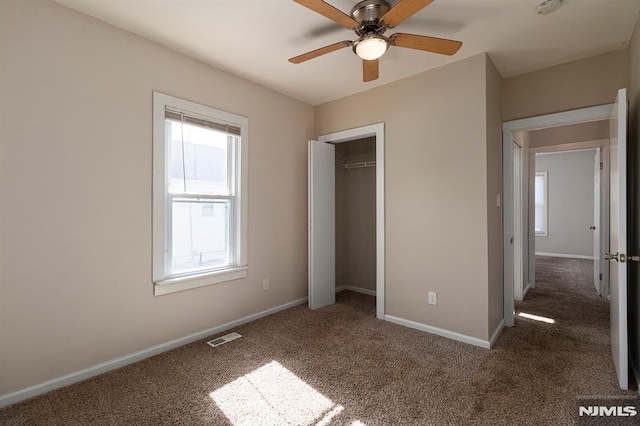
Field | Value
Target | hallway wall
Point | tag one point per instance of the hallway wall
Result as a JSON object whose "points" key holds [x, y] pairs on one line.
{"points": [[570, 180], [579, 84]]}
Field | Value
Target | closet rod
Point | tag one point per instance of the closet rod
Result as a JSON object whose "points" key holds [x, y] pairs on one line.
{"points": [[357, 165]]}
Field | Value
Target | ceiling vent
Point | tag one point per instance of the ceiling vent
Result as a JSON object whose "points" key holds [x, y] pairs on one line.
{"points": [[549, 6]]}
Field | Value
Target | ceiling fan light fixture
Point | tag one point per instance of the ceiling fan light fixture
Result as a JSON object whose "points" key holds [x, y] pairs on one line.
{"points": [[370, 47], [370, 19]]}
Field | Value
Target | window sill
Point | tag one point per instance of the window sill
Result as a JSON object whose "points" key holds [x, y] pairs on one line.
{"points": [[173, 285]]}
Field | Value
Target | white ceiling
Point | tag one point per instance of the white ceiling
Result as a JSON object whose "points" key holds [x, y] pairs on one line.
{"points": [[254, 38]]}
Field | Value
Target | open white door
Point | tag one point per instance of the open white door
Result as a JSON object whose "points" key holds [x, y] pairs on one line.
{"points": [[618, 237], [322, 242], [597, 258]]}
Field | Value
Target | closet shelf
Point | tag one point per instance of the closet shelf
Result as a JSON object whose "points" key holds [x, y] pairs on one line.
{"points": [[357, 165]]}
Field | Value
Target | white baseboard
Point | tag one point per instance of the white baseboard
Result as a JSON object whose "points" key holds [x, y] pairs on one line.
{"points": [[104, 367], [439, 331], [496, 333], [355, 289], [525, 291], [568, 256]]}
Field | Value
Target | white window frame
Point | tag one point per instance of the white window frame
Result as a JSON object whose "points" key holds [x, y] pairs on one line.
{"points": [[163, 282], [545, 209]]}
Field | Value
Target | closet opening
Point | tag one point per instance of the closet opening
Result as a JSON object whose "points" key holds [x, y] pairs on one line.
{"points": [[346, 215], [355, 216]]}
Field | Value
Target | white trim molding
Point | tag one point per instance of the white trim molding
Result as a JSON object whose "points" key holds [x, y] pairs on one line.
{"points": [[164, 278], [78, 376], [356, 290], [568, 256], [602, 112], [440, 332], [497, 332], [376, 130]]}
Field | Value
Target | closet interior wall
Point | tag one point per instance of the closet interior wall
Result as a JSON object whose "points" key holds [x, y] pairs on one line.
{"points": [[356, 214]]}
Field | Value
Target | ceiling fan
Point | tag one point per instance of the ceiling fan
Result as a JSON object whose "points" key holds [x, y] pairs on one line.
{"points": [[370, 19]]}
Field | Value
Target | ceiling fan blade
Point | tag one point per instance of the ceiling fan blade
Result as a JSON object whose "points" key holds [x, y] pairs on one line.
{"points": [[403, 10], [328, 11], [370, 70], [319, 52], [442, 46]]}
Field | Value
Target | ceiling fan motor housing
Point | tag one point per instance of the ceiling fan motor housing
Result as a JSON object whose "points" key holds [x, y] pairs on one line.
{"points": [[370, 12]]}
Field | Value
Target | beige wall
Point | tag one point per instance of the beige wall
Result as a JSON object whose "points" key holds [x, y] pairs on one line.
{"points": [[435, 190], [75, 181], [494, 187], [634, 204], [581, 132], [75, 177], [579, 84], [356, 215], [570, 182]]}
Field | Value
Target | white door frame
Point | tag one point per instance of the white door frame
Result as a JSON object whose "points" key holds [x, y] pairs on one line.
{"points": [[377, 131], [508, 128], [518, 261]]}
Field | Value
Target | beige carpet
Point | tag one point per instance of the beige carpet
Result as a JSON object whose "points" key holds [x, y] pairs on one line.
{"points": [[341, 366]]}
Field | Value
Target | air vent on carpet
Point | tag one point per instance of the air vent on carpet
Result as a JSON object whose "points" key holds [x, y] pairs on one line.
{"points": [[224, 339]]}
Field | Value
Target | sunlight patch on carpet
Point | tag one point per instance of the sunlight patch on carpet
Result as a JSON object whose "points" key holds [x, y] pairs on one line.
{"points": [[536, 318], [272, 395]]}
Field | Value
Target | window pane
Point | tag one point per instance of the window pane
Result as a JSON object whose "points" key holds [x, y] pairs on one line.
{"points": [[540, 225], [200, 235], [539, 219], [199, 159], [539, 196]]}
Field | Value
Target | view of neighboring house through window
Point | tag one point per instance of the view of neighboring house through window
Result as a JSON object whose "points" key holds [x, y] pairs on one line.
{"points": [[199, 205], [201, 195], [541, 204]]}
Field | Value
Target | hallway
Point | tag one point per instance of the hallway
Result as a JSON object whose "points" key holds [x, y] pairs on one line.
{"points": [[559, 349]]}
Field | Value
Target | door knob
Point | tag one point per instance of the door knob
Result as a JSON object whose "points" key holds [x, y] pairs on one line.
{"points": [[609, 256], [621, 257], [593, 228]]}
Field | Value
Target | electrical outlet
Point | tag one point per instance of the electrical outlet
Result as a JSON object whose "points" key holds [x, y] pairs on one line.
{"points": [[265, 284], [433, 298]]}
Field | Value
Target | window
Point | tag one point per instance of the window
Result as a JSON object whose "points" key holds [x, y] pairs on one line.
{"points": [[199, 195], [541, 204]]}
